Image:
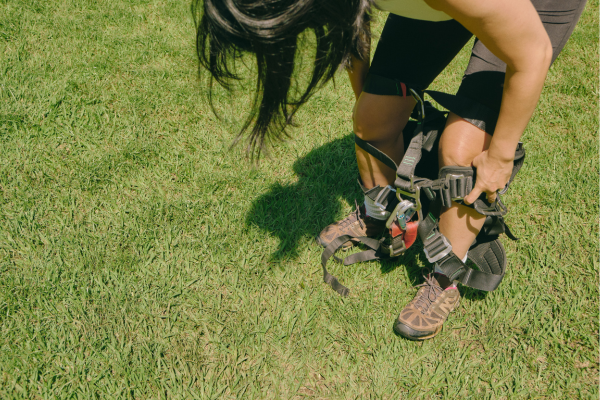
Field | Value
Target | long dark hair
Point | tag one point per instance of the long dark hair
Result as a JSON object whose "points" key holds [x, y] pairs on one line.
{"points": [[226, 29]]}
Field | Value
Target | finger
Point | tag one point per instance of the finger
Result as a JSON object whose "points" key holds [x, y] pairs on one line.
{"points": [[471, 197], [491, 196]]}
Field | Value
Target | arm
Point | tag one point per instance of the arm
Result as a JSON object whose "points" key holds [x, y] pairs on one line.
{"points": [[357, 72], [512, 30]]}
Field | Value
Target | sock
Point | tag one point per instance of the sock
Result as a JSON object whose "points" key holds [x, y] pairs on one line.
{"points": [[437, 270], [375, 211]]}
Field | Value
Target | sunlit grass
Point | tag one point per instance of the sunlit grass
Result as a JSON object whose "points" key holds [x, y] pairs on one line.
{"points": [[141, 258]]}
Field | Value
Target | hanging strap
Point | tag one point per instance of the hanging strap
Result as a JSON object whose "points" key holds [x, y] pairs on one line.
{"points": [[375, 152], [330, 250], [412, 155]]}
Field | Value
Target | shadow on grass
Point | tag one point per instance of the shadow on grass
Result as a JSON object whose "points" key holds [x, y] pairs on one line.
{"points": [[292, 212], [302, 209]]}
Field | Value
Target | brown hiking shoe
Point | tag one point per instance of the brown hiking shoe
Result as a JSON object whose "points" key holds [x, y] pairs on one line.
{"points": [[356, 224], [423, 317]]}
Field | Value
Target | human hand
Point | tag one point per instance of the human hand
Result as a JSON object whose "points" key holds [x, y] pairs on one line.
{"points": [[492, 175]]}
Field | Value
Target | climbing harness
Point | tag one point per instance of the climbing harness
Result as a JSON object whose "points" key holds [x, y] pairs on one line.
{"points": [[420, 192]]}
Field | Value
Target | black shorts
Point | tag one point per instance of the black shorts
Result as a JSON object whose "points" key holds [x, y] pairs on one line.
{"points": [[412, 53]]}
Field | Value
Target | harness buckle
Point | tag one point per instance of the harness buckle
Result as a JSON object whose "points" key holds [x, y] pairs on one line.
{"points": [[403, 212], [417, 199], [458, 185], [397, 252], [438, 248], [420, 101]]}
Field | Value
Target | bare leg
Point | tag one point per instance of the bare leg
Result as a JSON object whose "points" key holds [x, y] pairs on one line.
{"points": [[379, 120], [459, 144]]}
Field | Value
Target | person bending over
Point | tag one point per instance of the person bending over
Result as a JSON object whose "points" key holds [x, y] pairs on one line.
{"points": [[501, 86]]}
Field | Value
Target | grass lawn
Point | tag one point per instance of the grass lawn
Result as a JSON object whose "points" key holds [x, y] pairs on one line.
{"points": [[141, 258]]}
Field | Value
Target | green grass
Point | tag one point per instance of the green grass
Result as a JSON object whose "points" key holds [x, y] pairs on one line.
{"points": [[140, 258]]}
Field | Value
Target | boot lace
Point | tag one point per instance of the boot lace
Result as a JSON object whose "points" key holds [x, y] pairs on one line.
{"points": [[429, 295], [356, 215]]}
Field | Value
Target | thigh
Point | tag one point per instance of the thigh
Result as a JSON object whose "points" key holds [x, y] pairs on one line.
{"points": [[414, 52], [410, 54]]}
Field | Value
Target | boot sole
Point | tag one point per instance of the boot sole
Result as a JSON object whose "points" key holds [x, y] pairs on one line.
{"points": [[408, 333]]}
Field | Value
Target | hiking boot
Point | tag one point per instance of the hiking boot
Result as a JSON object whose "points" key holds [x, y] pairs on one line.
{"points": [[356, 224], [423, 317]]}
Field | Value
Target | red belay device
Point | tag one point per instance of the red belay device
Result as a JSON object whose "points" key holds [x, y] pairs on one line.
{"points": [[420, 191]]}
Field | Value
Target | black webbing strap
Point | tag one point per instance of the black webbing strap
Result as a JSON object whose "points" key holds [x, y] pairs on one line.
{"points": [[435, 245], [412, 154], [367, 255], [422, 139], [495, 225], [333, 247], [375, 152], [518, 163], [454, 184], [455, 269], [438, 249]]}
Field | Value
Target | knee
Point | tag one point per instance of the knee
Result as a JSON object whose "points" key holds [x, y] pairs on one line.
{"points": [[364, 125], [455, 156], [372, 124], [461, 142]]}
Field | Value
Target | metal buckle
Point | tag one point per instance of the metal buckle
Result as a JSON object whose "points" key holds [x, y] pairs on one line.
{"points": [[439, 250], [416, 196], [390, 251], [405, 213], [455, 177], [420, 101]]}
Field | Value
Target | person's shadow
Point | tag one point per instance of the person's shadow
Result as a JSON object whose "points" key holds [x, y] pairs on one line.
{"points": [[301, 210]]}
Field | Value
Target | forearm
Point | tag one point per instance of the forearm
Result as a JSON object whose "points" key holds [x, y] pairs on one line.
{"points": [[512, 30], [522, 90], [357, 72]]}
